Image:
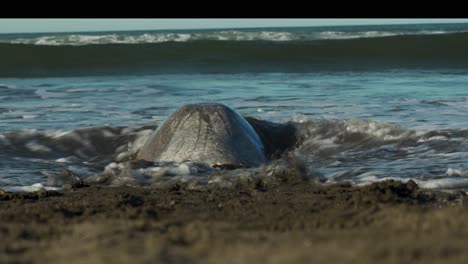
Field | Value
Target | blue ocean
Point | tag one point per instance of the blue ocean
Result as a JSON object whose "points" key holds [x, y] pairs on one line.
{"points": [[371, 102]]}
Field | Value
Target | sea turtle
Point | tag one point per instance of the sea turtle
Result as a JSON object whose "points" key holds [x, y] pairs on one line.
{"points": [[209, 133]]}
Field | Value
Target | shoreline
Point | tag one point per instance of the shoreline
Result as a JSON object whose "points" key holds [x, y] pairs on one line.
{"points": [[295, 222]]}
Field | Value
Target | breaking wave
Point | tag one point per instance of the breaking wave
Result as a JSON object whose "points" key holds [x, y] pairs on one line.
{"points": [[230, 52], [226, 35], [326, 151]]}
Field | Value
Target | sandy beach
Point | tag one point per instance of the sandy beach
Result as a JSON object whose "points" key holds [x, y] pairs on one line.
{"points": [[295, 222]]}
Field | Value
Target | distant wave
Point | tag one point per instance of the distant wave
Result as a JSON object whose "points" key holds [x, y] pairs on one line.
{"points": [[253, 54], [230, 35]]}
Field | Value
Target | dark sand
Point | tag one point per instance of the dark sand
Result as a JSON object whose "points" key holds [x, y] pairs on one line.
{"points": [[296, 222]]}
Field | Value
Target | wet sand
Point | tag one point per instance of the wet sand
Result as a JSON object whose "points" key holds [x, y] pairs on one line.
{"points": [[295, 222]]}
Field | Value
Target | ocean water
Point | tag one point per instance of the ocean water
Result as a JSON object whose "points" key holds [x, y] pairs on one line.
{"points": [[371, 102]]}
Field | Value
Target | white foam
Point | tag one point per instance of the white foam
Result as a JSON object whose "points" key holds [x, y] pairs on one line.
{"points": [[44, 94], [182, 169], [434, 138], [29, 116], [326, 135], [171, 169], [57, 133], [440, 183], [455, 172], [445, 183], [374, 34], [36, 147], [107, 133], [227, 35], [31, 188], [385, 131], [79, 90], [111, 166], [131, 148]]}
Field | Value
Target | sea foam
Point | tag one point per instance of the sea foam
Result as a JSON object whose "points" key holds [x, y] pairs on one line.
{"points": [[225, 35]]}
